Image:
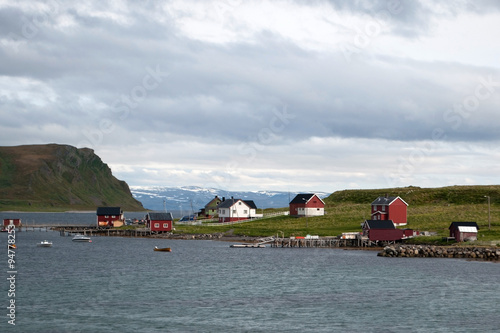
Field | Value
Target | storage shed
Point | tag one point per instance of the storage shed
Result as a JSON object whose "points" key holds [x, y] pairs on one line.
{"points": [[159, 221], [382, 230], [464, 231]]}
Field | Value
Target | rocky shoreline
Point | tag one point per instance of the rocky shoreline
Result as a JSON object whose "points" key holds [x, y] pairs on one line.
{"points": [[431, 251]]}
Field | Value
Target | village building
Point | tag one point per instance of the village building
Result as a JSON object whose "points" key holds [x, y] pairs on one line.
{"points": [[390, 208], [159, 221], [110, 217], [381, 230], [231, 210], [307, 205], [464, 231], [210, 208], [8, 223]]}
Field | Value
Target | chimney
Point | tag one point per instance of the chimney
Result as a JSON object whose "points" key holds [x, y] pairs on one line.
{"points": [[223, 199]]}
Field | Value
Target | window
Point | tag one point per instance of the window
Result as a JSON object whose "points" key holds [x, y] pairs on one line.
{"points": [[234, 211], [157, 225], [165, 225], [223, 211], [383, 208], [245, 211]]}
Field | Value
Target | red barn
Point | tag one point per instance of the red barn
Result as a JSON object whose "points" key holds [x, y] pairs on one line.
{"points": [[14, 222], [464, 231], [159, 221], [382, 230], [110, 217], [390, 208], [307, 205]]}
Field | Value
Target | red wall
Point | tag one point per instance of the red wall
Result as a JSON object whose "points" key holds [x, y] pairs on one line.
{"points": [[103, 221], [385, 234], [16, 222], [160, 227], [232, 219], [315, 202], [397, 211]]}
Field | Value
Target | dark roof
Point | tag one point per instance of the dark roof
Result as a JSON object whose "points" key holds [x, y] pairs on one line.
{"points": [[109, 211], [302, 198], [463, 224], [227, 203], [160, 216], [380, 224], [386, 200], [250, 204]]}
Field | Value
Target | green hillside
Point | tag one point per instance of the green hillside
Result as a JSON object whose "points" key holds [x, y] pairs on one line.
{"points": [[59, 177]]}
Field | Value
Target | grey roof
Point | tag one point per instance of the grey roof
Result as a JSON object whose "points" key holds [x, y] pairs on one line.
{"points": [[386, 200], [230, 202], [160, 216], [380, 224], [463, 224], [108, 211]]}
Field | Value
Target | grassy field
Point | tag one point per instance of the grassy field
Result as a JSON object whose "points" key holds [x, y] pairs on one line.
{"points": [[347, 217]]}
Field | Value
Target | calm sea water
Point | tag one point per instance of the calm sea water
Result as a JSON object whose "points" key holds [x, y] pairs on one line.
{"points": [[121, 285]]}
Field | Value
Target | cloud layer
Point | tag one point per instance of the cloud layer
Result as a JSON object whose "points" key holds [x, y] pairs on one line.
{"points": [[282, 95]]}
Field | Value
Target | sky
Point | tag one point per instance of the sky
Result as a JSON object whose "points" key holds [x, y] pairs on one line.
{"points": [[317, 95]]}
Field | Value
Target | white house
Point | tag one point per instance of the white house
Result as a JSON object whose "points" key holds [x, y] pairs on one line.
{"points": [[231, 210]]}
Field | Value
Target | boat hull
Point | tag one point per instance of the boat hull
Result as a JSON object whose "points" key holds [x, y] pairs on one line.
{"points": [[166, 249]]}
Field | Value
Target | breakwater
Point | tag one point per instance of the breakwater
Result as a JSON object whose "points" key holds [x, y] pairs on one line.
{"points": [[430, 251]]}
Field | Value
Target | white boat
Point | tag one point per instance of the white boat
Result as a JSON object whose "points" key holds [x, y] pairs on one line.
{"points": [[81, 238], [248, 245], [45, 243]]}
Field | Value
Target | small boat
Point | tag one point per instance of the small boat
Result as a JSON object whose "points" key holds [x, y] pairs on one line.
{"points": [[45, 243], [248, 245], [81, 238], [164, 249]]}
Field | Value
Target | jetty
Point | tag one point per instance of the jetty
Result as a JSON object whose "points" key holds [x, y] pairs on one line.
{"points": [[320, 242]]}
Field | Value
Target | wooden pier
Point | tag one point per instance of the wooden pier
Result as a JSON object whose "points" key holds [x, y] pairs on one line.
{"points": [[91, 230], [321, 242]]}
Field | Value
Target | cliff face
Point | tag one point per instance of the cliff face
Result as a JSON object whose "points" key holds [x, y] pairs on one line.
{"points": [[59, 177]]}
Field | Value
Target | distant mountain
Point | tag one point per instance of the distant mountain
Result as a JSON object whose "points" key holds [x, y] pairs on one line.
{"points": [[59, 177], [189, 199]]}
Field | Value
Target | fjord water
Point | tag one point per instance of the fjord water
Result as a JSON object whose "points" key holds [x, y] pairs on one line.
{"points": [[119, 284]]}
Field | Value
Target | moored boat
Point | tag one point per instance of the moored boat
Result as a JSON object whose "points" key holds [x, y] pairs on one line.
{"points": [[248, 245], [81, 238], [164, 249], [45, 243]]}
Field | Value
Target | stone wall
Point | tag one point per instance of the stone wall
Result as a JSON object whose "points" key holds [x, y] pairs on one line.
{"points": [[430, 251]]}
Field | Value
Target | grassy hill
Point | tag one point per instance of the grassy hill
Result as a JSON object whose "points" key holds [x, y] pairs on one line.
{"points": [[430, 209], [58, 177]]}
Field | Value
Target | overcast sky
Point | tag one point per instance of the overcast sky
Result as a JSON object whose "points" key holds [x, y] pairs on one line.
{"points": [[259, 95]]}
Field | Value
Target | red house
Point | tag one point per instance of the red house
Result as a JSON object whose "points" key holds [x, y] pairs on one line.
{"points": [[14, 222], [382, 230], [464, 231], [159, 221], [110, 217], [307, 205], [390, 208]]}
